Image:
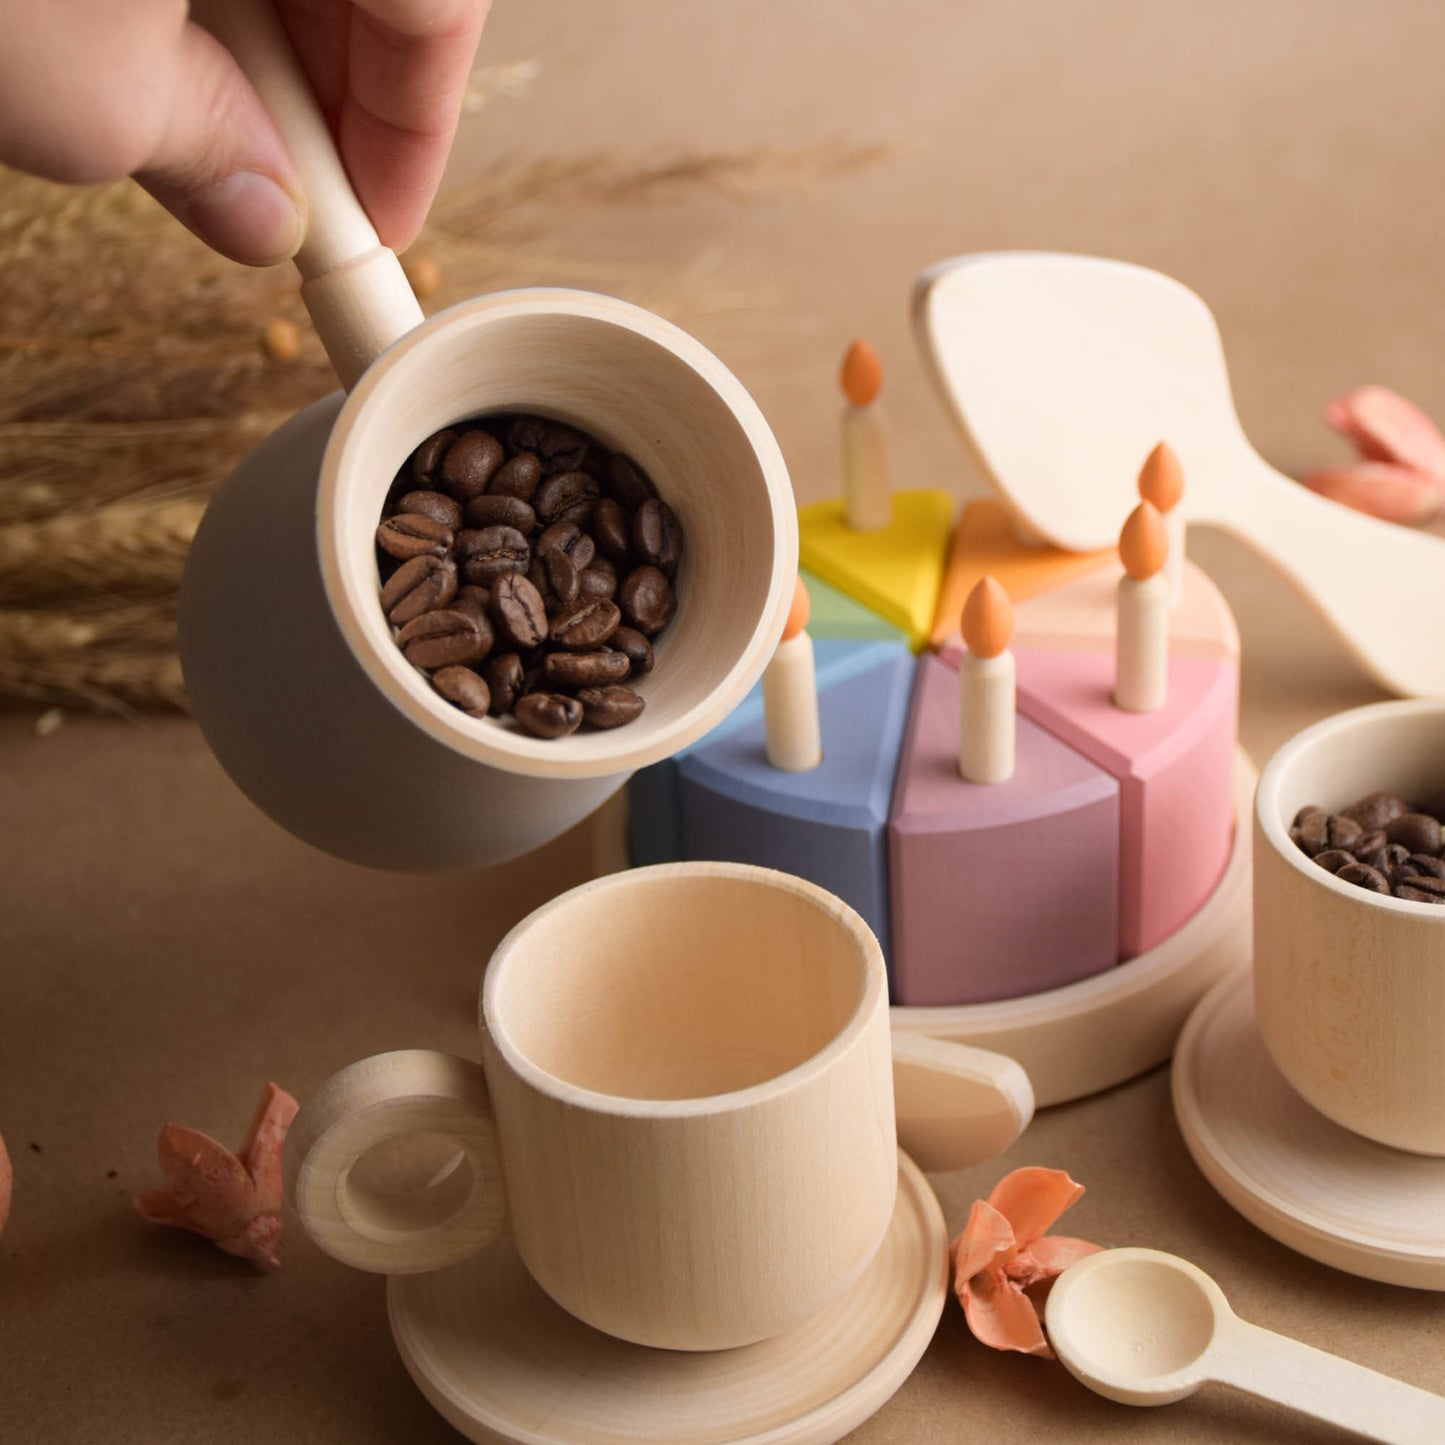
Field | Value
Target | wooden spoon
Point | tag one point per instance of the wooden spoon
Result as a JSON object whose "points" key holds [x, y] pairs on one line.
{"points": [[1146, 1328], [1064, 371]]}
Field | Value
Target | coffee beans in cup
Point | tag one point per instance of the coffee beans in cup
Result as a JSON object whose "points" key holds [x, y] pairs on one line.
{"points": [[527, 570], [1381, 843]]}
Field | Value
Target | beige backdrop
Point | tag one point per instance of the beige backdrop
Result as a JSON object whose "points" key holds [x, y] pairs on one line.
{"points": [[166, 950]]}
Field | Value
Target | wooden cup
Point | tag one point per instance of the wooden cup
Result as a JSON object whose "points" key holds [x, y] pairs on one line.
{"points": [[684, 1114], [1349, 985], [290, 664]]}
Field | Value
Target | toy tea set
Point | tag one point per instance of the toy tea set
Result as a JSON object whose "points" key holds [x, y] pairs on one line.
{"points": [[681, 1197]]}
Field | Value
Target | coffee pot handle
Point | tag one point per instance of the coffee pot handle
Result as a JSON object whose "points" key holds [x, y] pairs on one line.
{"points": [[353, 286], [956, 1105], [392, 1164]]}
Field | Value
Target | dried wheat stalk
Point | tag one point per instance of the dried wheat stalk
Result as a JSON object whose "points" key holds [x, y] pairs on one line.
{"points": [[132, 378]]}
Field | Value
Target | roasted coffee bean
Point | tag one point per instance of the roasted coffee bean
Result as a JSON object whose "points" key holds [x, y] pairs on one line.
{"points": [[597, 582], [548, 714], [418, 586], [465, 689], [559, 446], [585, 669], [436, 505], [1368, 843], [1419, 890], [490, 553], [647, 599], [427, 458], [518, 478], [609, 707], [1333, 859], [1435, 806], [585, 624], [657, 535], [1419, 832], [518, 611], [471, 598], [612, 529], [469, 465], [445, 638], [625, 484], [567, 497], [1310, 830], [413, 535], [503, 676], [1387, 860], [1376, 809], [1363, 876], [1342, 832], [1422, 864], [562, 576], [571, 539], [492, 509], [635, 648]]}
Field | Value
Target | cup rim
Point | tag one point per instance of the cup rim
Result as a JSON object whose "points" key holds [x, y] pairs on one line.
{"points": [[1271, 822], [400, 684], [873, 996]]}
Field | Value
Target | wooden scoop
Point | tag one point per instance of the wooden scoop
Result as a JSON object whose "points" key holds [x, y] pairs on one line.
{"points": [[1146, 1328], [1063, 372]]}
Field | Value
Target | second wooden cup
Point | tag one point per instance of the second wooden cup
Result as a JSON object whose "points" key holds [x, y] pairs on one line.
{"points": [[684, 1115]]}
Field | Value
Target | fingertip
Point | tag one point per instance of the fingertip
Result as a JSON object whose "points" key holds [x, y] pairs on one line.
{"points": [[248, 217]]}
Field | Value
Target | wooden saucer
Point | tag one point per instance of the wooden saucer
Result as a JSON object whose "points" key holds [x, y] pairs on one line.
{"points": [[1115, 1025], [1332, 1195], [501, 1362]]}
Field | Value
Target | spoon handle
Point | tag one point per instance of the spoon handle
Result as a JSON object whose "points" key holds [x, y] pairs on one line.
{"points": [[354, 287], [1325, 1386], [1314, 543]]}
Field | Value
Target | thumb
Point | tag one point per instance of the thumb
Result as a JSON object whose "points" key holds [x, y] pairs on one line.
{"points": [[219, 164]]}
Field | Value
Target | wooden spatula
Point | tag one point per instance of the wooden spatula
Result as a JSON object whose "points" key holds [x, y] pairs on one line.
{"points": [[1064, 371]]}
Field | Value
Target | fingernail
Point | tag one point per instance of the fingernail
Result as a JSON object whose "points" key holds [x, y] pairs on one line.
{"points": [[249, 218]]}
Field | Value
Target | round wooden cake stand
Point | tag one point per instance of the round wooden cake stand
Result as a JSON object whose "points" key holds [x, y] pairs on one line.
{"points": [[1100, 1031], [501, 1362], [1332, 1195]]}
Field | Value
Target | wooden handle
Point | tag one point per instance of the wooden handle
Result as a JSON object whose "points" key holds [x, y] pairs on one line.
{"points": [[354, 287], [956, 1105], [1364, 577], [392, 1164], [1329, 1388]]}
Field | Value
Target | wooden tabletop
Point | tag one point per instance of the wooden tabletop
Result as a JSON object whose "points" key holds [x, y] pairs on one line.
{"points": [[166, 949]]}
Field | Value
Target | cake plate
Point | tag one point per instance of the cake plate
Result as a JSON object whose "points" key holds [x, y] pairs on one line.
{"points": [[1333, 1195], [1102, 1030], [501, 1362]]}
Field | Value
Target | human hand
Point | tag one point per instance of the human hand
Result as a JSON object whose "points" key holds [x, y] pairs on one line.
{"points": [[92, 90]]}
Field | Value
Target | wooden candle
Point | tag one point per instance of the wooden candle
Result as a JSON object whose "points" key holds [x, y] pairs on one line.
{"points": [[1141, 647], [1161, 484], [790, 695], [865, 458], [986, 686]]}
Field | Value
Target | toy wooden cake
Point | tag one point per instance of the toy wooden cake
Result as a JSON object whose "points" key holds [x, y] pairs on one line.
{"points": [[1016, 762]]}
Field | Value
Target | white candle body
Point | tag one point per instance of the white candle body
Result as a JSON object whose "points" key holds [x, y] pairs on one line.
{"points": [[1141, 644], [793, 738], [866, 496], [1174, 562], [987, 719]]}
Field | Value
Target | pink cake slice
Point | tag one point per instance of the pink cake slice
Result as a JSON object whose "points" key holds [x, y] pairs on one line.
{"points": [[1082, 614], [1000, 889], [1174, 768]]}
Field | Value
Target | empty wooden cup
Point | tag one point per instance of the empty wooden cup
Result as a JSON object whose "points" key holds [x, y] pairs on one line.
{"points": [[1350, 985], [684, 1114], [290, 666]]}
